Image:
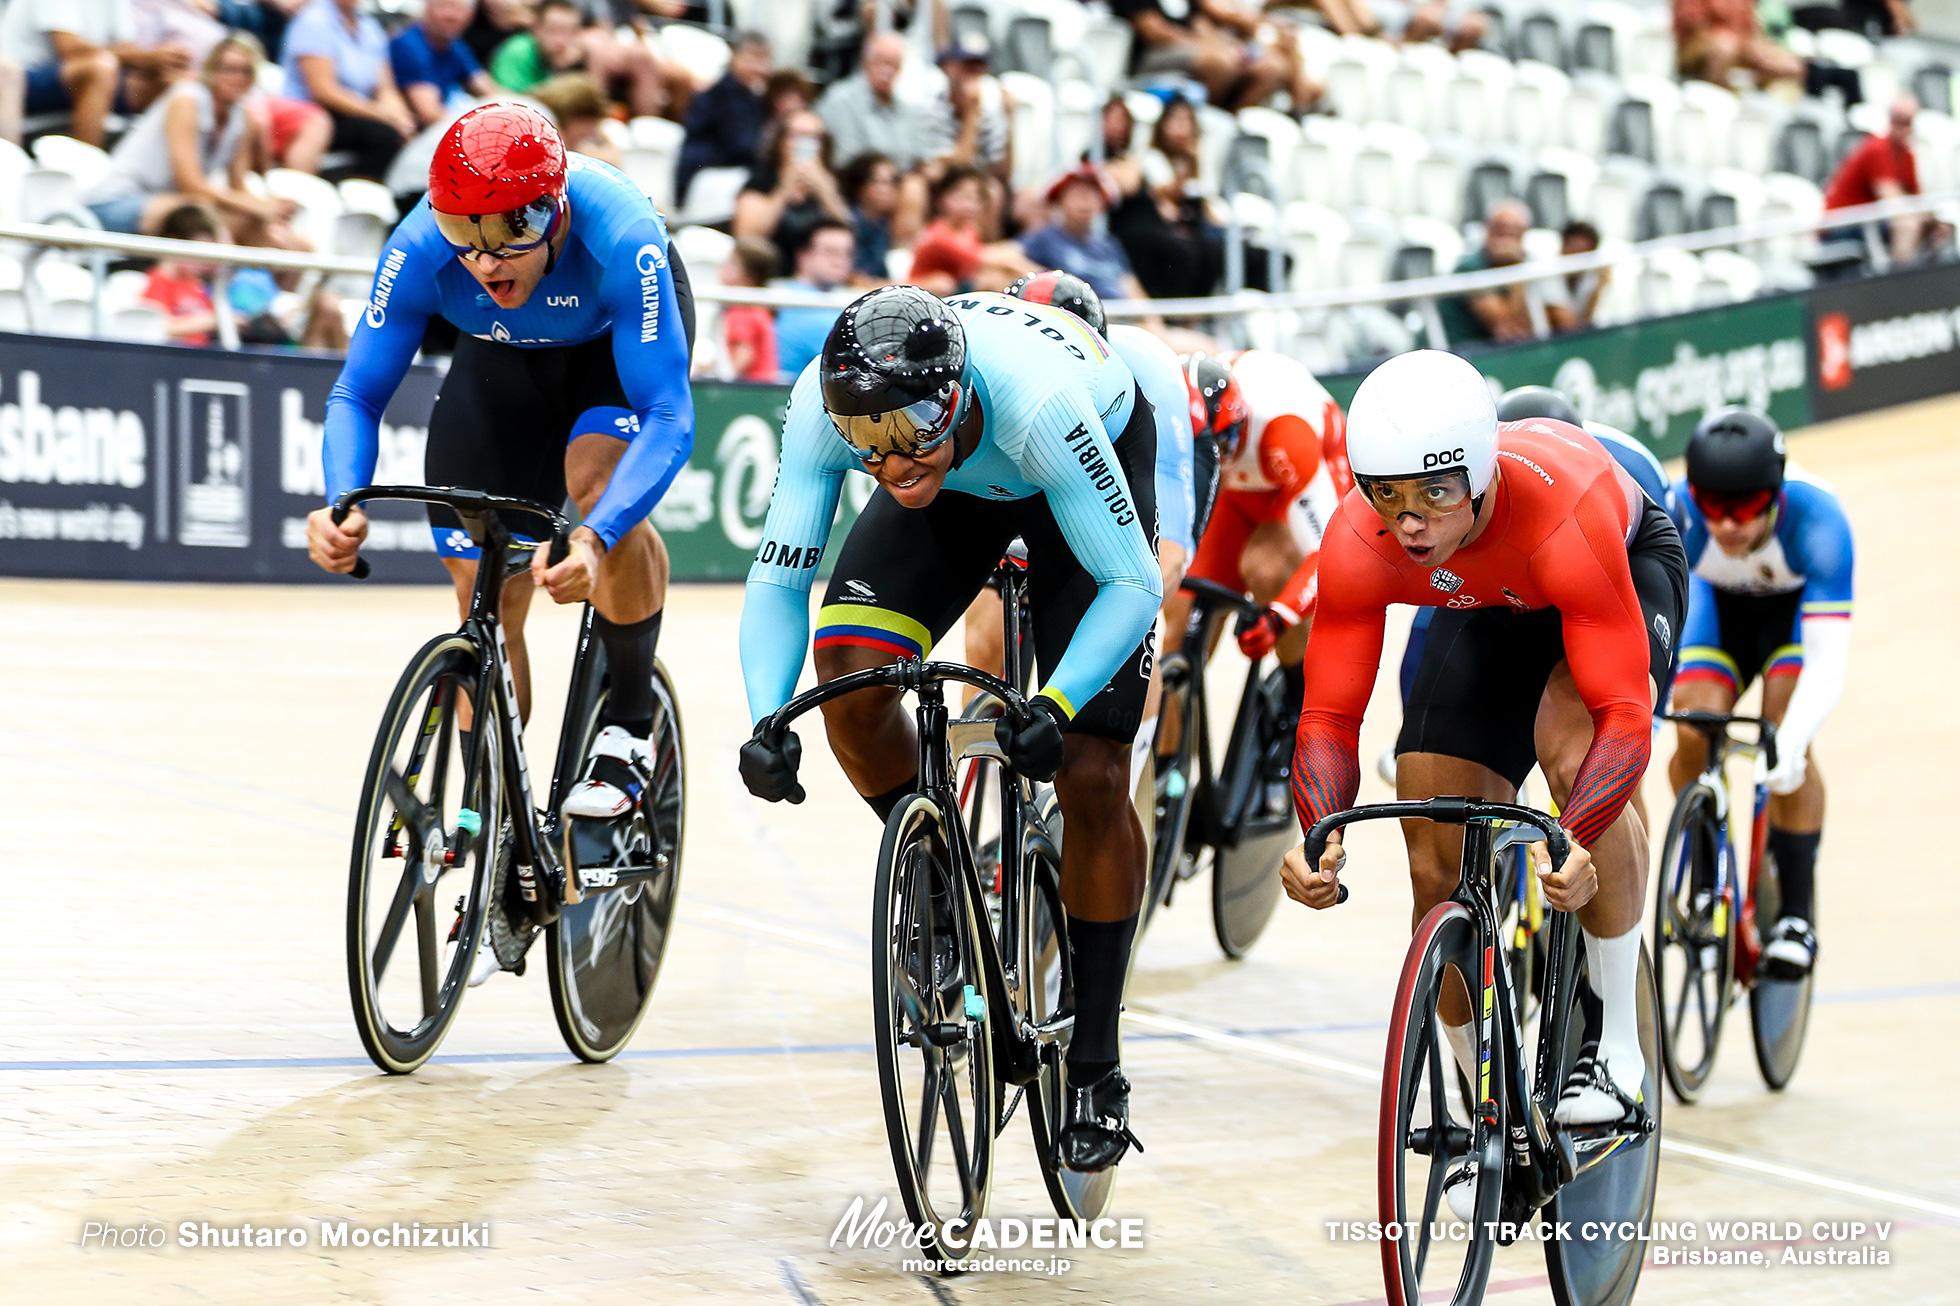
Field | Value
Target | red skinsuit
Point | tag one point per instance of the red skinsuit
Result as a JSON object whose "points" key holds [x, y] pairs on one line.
{"points": [[1557, 538]]}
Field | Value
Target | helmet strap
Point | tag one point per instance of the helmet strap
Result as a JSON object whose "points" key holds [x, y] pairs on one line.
{"points": [[967, 403], [551, 237]]}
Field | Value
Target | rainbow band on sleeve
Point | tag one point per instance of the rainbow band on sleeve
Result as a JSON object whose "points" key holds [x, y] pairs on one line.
{"points": [[869, 627], [1707, 664]]}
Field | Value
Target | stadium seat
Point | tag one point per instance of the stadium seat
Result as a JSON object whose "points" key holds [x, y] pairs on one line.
{"points": [[1753, 133], [1579, 171], [1407, 97], [145, 323], [1613, 201], [13, 311], [1029, 46], [317, 198], [1282, 137], [1323, 163], [1651, 49], [1033, 125], [653, 172], [1548, 197], [1593, 48], [358, 195], [1436, 188], [120, 289], [1490, 181], [1588, 104], [698, 50], [359, 235], [1106, 46], [1446, 238], [789, 25], [1667, 281], [1534, 104], [1736, 273], [1800, 150], [1538, 36], [1078, 117], [1932, 84], [1350, 89], [46, 195], [1663, 211], [14, 163], [1314, 234], [703, 250], [85, 162], [711, 195]]}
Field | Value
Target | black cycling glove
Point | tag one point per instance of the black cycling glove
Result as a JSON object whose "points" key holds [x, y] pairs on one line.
{"points": [[770, 773], [1034, 748]]}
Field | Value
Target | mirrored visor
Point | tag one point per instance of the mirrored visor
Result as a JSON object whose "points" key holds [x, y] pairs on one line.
{"points": [[1425, 496], [499, 234], [1742, 506], [912, 430]]}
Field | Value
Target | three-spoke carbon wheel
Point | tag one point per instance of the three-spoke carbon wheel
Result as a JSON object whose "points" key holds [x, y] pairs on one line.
{"points": [[935, 1056], [425, 840], [605, 951], [1245, 885], [1694, 941], [1779, 1009], [1429, 1134]]}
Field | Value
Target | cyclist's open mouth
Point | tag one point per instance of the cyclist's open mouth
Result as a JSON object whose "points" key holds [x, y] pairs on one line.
{"points": [[502, 288], [1419, 552]]}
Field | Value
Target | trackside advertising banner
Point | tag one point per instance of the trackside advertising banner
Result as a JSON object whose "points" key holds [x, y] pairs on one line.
{"points": [[1883, 341], [1656, 378], [159, 462]]}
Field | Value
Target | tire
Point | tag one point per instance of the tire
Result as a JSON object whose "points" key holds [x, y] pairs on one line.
{"points": [[1694, 940], [935, 1056], [1420, 1091], [1604, 1272], [1779, 1009], [1257, 797], [604, 953], [399, 876]]}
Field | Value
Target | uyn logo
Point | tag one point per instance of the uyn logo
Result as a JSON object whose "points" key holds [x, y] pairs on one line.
{"points": [[562, 301]]}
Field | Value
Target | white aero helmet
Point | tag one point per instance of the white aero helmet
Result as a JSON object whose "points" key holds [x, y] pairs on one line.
{"points": [[1420, 414]]}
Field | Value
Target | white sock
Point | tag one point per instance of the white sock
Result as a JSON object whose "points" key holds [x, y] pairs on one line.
{"points": [[1614, 967], [1464, 1044]]}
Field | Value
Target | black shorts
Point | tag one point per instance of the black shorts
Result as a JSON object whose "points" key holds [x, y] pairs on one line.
{"points": [[504, 415], [1741, 636], [1484, 670], [905, 575]]}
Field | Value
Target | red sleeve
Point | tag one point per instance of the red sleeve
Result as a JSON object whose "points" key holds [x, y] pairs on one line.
{"points": [[1302, 591], [1343, 655], [1582, 568]]}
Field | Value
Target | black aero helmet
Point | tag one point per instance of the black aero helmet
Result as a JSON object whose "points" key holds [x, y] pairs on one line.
{"points": [[1535, 401], [1064, 291], [891, 369], [1735, 451]]}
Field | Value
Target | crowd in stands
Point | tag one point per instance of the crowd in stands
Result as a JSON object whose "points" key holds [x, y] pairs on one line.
{"points": [[869, 163]]}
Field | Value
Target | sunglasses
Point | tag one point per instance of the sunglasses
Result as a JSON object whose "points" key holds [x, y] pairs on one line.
{"points": [[918, 428], [500, 235], [1424, 496], [1743, 506]]}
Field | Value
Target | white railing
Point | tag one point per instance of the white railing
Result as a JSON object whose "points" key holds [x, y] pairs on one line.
{"points": [[1423, 291]]}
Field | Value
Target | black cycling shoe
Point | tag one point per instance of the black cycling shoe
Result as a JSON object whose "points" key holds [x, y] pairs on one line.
{"points": [[1095, 1131]]}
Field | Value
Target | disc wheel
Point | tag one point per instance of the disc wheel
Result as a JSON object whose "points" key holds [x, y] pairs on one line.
{"points": [[1615, 1183], [427, 833], [1779, 1009], [605, 951], [1694, 941], [935, 1059], [1245, 885], [1426, 1131]]}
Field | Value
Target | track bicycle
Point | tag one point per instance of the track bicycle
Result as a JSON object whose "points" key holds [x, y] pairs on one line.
{"points": [[969, 996], [447, 809], [1501, 1137], [1706, 943], [1237, 817]]}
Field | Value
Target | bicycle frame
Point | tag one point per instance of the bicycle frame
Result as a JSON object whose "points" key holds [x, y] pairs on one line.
{"points": [[1722, 746]]}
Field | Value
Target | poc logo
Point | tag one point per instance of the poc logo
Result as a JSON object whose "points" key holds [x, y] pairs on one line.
{"points": [[1448, 459]]}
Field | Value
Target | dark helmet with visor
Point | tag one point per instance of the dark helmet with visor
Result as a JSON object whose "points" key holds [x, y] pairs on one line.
{"points": [[1529, 401], [1735, 463], [1065, 291], [892, 371]]}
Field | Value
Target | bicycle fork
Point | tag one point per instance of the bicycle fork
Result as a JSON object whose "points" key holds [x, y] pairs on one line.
{"points": [[539, 880]]}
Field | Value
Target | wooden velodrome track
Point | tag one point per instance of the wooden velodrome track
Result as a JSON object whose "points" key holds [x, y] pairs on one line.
{"points": [[178, 767]]}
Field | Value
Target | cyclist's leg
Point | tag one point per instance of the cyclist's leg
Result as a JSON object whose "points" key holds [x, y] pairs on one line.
{"points": [[1796, 820], [902, 578], [1706, 679]]}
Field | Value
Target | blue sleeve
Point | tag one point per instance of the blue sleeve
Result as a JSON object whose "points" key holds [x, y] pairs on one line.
{"points": [[1068, 454], [776, 605], [409, 55], [1687, 520], [1818, 544], [650, 350], [465, 58], [400, 304], [1163, 385]]}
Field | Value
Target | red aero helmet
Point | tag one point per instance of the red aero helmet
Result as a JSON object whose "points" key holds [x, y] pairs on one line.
{"points": [[1218, 407], [497, 177]]}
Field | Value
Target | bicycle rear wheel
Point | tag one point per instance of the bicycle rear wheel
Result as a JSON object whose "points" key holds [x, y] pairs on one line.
{"points": [[1694, 941], [1426, 1132], [605, 952], [935, 1059], [1616, 1181], [430, 826], [1779, 1009], [1257, 798]]}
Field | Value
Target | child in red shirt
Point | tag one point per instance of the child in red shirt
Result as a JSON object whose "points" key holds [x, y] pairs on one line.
{"points": [[181, 287]]}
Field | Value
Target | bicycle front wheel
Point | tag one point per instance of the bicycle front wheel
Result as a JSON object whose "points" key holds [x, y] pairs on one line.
{"points": [[426, 837], [1779, 1009], [1694, 941], [1427, 1134], [935, 1058]]}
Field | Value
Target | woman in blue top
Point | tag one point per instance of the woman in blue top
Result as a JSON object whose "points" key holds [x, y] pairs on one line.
{"points": [[337, 57]]}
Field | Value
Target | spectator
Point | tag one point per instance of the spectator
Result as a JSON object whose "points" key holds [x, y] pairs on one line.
{"points": [[1119, 126], [181, 287], [1714, 37], [823, 262], [787, 91], [1357, 18], [200, 129], [1162, 220], [496, 21], [1455, 25], [748, 331], [869, 184], [1491, 315], [561, 42], [579, 107], [862, 112], [952, 253], [432, 64], [1570, 301], [81, 56], [1213, 41], [13, 94], [725, 122], [1172, 159], [792, 189], [1883, 168], [1072, 242], [968, 124], [337, 57]]}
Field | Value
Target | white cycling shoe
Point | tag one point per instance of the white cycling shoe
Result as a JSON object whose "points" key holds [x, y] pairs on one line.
{"points": [[1591, 1095], [1460, 1191], [616, 775]]}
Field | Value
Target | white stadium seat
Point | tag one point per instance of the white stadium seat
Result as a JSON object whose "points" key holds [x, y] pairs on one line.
{"points": [[145, 323], [85, 162]]}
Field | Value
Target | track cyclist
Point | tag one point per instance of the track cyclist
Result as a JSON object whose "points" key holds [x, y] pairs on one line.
{"points": [[570, 372], [1771, 597], [1561, 587], [981, 418]]}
